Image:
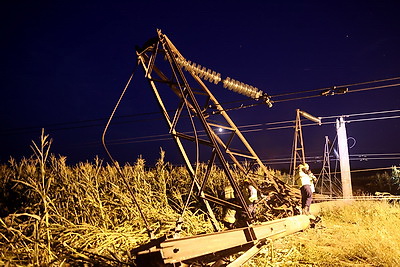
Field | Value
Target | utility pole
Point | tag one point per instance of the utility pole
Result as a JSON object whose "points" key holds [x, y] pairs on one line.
{"points": [[344, 158]]}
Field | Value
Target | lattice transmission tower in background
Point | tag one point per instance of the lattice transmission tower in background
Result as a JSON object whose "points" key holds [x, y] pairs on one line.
{"points": [[298, 147], [325, 178], [298, 154], [327, 182]]}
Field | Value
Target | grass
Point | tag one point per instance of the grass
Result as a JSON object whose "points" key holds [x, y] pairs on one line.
{"points": [[361, 234]]}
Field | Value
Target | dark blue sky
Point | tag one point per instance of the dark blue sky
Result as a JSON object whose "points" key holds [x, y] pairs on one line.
{"points": [[64, 65]]}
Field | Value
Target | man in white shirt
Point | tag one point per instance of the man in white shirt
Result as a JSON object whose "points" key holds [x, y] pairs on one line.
{"points": [[305, 180]]}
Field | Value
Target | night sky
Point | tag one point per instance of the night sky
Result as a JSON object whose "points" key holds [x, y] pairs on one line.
{"points": [[64, 65]]}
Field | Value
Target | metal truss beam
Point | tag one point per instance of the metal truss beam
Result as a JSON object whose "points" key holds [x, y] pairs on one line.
{"points": [[195, 97]]}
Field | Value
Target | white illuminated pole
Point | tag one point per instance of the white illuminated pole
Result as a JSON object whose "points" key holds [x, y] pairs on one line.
{"points": [[344, 158]]}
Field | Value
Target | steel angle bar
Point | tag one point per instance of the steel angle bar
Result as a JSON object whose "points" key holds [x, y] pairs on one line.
{"points": [[221, 201], [193, 138], [242, 259], [221, 126], [224, 243], [229, 151], [208, 171]]}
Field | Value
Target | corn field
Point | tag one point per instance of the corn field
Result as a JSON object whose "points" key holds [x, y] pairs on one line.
{"points": [[52, 214], [55, 214]]}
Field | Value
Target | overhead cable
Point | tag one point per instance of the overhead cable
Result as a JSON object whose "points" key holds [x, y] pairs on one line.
{"points": [[29, 129], [131, 189], [340, 86], [259, 127]]}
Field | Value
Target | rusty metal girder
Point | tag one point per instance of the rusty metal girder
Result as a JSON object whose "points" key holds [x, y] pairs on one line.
{"points": [[214, 246], [200, 247]]}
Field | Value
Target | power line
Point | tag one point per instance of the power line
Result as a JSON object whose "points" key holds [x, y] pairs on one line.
{"points": [[243, 126], [377, 154], [374, 88], [349, 91], [54, 127], [335, 87], [259, 125], [326, 91], [319, 159], [363, 114], [373, 119], [31, 128]]}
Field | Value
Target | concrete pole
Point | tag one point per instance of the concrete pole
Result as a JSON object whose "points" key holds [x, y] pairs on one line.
{"points": [[344, 158]]}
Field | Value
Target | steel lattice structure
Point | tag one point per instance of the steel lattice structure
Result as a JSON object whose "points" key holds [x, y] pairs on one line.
{"points": [[165, 69]]}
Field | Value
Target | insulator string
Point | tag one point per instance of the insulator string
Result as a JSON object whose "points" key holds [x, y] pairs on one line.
{"points": [[203, 72], [242, 88], [229, 83]]}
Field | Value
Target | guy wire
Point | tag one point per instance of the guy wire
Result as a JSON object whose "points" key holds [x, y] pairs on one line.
{"points": [[130, 189]]}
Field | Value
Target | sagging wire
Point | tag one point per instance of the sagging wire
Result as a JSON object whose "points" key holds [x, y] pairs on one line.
{"points": [[131, 190]]}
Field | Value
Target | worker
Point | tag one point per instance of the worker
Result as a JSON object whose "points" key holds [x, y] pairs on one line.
{"points": [[229, 218], [232, 218], [250, 195], [306, 181]]}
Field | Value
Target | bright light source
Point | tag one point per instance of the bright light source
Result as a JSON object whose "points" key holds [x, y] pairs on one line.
{"points": [[220, 130]]}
